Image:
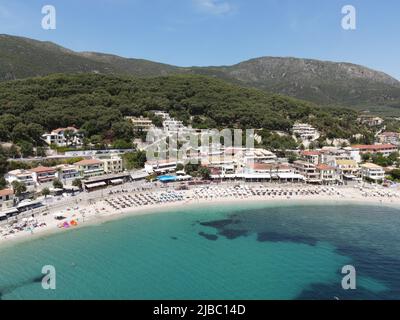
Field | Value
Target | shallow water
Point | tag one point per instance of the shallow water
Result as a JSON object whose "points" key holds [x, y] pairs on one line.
{"points": [[246, 251]]}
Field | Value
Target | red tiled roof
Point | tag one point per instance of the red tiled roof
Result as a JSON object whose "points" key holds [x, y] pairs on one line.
{"points": [[325, 167], [374, 146], [6, 192], [88, 162], [267, 166], [42, 169], [64, 129], [310, 153]]}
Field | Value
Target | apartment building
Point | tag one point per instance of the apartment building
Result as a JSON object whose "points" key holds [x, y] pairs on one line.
{"points": [[384, 149], [308, 171], [372, 172], [22, 176], [6, 199], [305, 131], [112, 164], [43, 174], [67, 172], [348, 170], [311, 156], [90, 168], [141, 123], [327, 174], [389, 138]]}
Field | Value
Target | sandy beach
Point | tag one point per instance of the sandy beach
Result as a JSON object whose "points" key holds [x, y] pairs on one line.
{"points": [[121, 203]]}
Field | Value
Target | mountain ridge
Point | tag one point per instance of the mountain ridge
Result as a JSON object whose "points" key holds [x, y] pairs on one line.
{"points": [[321, 82]]}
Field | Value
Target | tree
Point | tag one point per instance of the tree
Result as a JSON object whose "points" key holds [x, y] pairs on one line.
{"points": [[18, 187], [365, 157], [180, 167], [3, 183], [69, 136], [57, 184], [122, 144], [204, 173], [45, 192], [26, 149], [77, 183], [40, 152], [134, 160], [395, 174], [192, 169]]}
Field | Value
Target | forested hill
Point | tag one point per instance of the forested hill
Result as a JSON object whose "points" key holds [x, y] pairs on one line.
{"points": [[323, 82], [98, 104]]}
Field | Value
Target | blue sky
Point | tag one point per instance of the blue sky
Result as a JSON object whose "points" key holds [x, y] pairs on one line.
{"points": [[216, 32]]}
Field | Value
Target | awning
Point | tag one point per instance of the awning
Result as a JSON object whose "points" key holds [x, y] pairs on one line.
{"points": [[8, 212], [257, 176], [117, 181], [186, 177], [290, 176], [95, 185], [28, 204]]}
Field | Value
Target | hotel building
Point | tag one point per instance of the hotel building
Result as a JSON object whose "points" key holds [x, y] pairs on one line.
{"points": [[90, 168], [22, 176], [43, 174], [372, 172], [384, 149]]}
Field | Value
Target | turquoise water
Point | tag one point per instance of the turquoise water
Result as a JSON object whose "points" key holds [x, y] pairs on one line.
{"points": [[251, 251]]}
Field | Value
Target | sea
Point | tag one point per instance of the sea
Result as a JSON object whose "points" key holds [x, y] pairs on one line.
{"points": [[228, 251]]}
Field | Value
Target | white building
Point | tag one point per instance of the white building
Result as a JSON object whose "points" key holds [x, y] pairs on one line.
{"points": [[90, 168], [6, 199], [22, 176], [389, 138], [372, 171], [172, 125], [141, 123], [160, 166], [63, 137], [112, 164], [305, 131], [67, 172]]}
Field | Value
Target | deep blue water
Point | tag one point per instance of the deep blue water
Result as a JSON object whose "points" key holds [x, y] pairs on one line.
{"points": [[250, 251]]}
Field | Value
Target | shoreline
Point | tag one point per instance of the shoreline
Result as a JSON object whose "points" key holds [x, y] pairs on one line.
{"points": [[89, 215]]}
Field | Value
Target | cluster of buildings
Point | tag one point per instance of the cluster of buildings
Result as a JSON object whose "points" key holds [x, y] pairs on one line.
{"points": [[84, 169], [305, 132], [329, 165], [370, 120], [389, 138]]}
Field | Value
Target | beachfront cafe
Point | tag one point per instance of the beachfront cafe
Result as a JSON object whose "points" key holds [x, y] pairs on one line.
{"points": [[100, 182], [4, 215]]}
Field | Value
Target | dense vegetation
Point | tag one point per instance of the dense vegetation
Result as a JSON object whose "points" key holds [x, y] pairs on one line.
{"points": [[321, 82], [98, 104]]}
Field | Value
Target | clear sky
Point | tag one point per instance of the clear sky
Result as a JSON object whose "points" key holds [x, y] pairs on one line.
{"points": [[216, 32]]}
